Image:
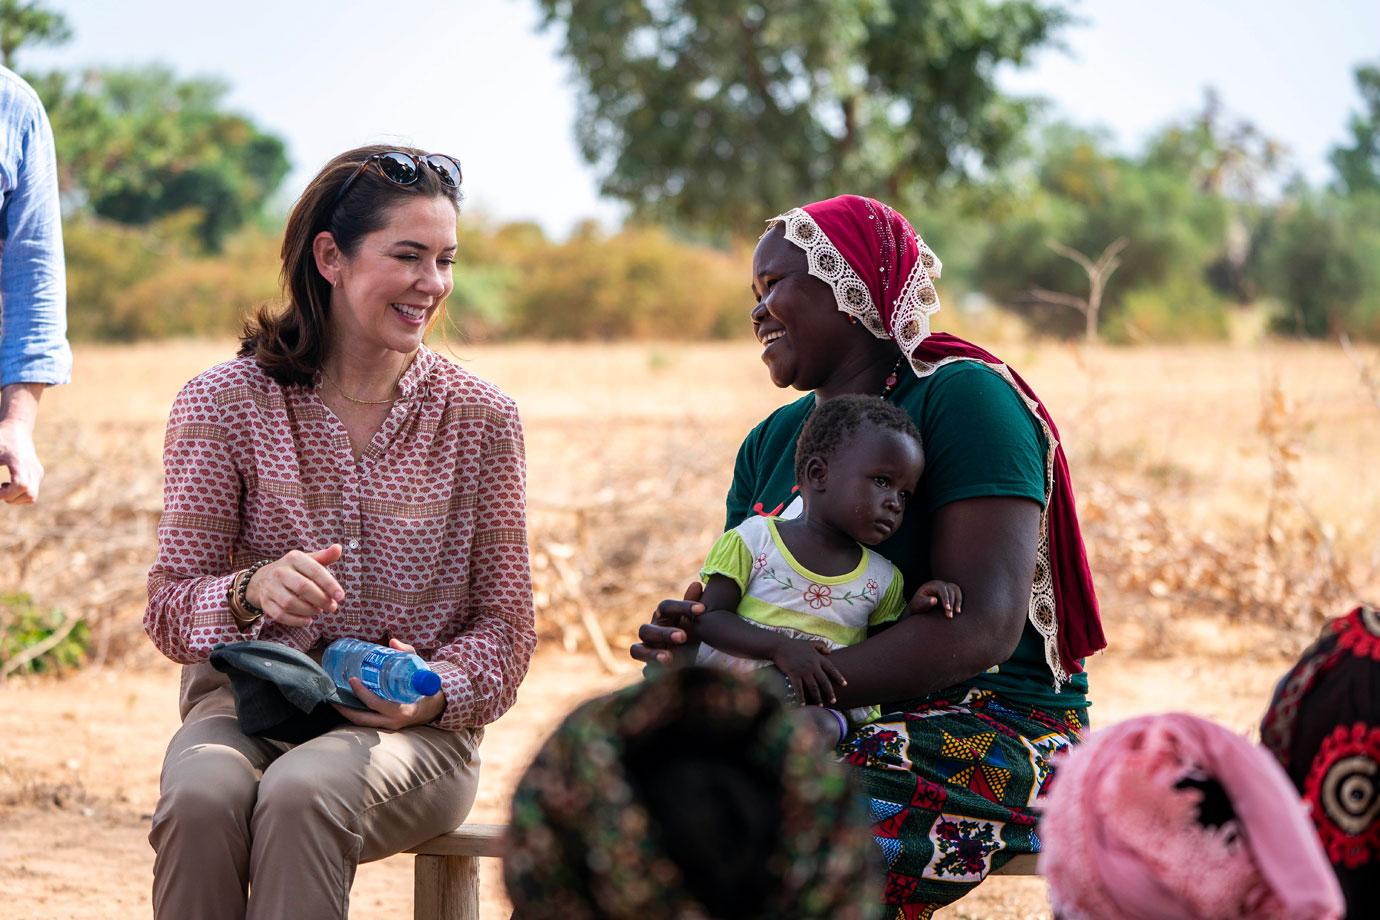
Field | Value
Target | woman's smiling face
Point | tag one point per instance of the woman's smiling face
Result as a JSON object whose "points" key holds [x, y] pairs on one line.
{"points": [[796, 318], [388, 291]]}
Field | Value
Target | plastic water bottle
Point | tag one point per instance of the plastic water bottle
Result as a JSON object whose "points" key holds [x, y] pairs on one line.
{"points": [[398, 676]]}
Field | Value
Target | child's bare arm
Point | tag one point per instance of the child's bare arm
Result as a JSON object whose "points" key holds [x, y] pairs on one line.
{"points": [[721, 627], [938, 595], [804, 662]]}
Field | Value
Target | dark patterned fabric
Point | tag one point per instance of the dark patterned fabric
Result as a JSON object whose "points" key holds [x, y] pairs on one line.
{"points": [[1324, 726], [952, 786], [584, 845]]}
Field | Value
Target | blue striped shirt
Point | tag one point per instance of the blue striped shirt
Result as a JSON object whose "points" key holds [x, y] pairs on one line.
{"points": [[33, 281]]}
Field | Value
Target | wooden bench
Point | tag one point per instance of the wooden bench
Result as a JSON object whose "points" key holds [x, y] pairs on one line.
{"points": [[446, 874]]}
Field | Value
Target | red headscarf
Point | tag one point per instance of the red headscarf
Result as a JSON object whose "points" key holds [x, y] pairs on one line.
{"points": [[883, 274]]}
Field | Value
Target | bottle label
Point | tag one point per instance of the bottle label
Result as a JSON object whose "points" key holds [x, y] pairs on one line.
{"points": [[371, 668]]}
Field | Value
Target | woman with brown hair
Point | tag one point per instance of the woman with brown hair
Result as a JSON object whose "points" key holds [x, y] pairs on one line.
{"points": [[337, 478]]}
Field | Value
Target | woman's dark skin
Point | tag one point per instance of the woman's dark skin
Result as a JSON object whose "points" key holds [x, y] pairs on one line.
{"points": [[985, 545]]}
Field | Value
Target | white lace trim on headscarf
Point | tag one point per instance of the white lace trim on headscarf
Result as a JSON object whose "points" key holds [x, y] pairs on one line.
{"points": [[916, 302]]}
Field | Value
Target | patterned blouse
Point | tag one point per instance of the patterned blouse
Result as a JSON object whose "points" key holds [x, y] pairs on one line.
{"points": [[431, 518]]}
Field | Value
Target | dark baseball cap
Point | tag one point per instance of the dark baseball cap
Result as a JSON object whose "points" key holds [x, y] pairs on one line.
{"points": [[281, 693]]}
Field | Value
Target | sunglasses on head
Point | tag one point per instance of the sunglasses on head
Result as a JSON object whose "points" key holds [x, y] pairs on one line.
{"points": [[402, 168]]}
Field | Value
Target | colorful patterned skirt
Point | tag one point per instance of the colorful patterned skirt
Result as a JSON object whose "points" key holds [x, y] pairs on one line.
{"points": [[952, 786]]}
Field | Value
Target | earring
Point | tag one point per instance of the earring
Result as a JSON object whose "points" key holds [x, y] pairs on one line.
{"points": [[853, 320]]}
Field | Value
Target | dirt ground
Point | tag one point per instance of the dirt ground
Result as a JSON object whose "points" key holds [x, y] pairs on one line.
{"points": [[611, 433], [79, 773]]}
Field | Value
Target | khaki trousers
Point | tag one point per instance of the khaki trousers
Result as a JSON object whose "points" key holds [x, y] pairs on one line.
{"points": [[251, 828]]}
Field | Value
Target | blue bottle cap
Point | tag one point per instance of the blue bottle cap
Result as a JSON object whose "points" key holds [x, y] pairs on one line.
{"points": [[426, 683]]}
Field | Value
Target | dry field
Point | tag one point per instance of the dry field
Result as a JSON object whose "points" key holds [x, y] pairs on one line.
{"points": [[1227, 497]]}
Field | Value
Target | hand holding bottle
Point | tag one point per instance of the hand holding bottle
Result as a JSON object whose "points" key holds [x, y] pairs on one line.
{"points": [[386, 714]]}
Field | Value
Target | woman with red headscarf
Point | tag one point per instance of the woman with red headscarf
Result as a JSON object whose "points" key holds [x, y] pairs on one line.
{"points": [[974, 706]]}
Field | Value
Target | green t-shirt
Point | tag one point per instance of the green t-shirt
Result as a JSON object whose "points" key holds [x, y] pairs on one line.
{"points": [[980, 440]]}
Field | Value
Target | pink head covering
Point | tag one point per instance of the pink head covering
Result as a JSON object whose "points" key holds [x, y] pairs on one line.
{"points": [[883, 274], [1120, 840]]}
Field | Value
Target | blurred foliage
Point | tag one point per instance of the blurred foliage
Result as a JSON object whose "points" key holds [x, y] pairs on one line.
{"points": [[707, 117], [1082, 196], [1323, 263], [1232, 162], [135, 146], [639, 282], [127, 283], [1358, 163], [25, 22], [138, 145], [163, 195], [23, 625], [714, 116], [1211, 225], [1183, 309]]}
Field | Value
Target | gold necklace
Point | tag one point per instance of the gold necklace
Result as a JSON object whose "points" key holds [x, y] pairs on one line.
{"points": [[366, 402]]}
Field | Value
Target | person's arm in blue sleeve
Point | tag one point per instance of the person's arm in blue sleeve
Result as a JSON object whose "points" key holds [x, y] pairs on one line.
{"points": [[34, 352]]}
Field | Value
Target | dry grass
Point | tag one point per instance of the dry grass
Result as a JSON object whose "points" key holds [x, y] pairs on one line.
{"points": [[1214, 482], [1217, 486]]}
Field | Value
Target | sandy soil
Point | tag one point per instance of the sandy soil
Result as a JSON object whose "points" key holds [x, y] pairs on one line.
{"points": [[79, 775], [610, 433]]}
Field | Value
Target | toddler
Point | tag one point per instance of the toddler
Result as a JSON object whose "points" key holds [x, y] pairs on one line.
{"points": [[788, 592]]}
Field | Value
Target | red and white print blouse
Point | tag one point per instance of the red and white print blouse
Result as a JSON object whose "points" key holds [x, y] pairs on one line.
{"points": [[431, 518]]}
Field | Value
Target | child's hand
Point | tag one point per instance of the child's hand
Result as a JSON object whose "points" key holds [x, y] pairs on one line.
{"points": [[808, 666], [942, 594]]}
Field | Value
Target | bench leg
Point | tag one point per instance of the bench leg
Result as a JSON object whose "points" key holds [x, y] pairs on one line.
{"points": [[445, 888]]}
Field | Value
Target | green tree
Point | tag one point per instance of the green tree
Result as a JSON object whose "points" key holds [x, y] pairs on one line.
{"points": [[1323, 264], [29, 23], [1323, 256], [1232, 160], [1358, 163], [1081, 198], [717, 114], [1223, 155], [135, 146]]}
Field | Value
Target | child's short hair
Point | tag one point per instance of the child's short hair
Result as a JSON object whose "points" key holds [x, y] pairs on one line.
{"points": [[835, 419]]}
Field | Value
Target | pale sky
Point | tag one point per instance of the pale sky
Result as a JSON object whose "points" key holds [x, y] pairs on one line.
{"points": [[475, 79]]}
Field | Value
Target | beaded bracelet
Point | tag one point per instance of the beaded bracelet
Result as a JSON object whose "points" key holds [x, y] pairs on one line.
{"points": [[843, 724], [793, 697], [241, 609]]}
